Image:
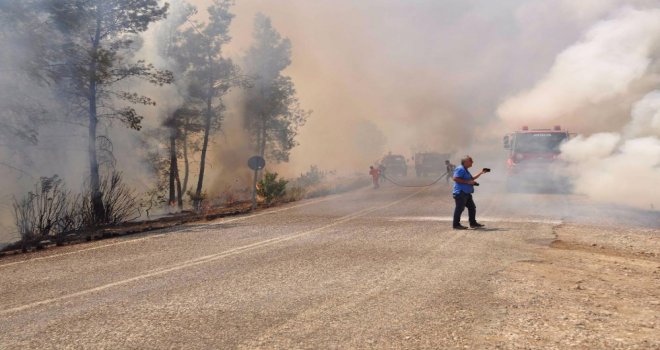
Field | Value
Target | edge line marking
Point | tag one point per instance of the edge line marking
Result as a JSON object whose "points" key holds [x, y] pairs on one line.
{"points": [[163, 234]]}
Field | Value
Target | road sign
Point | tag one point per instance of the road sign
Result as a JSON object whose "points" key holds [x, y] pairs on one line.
{"points": [[256, 163]]}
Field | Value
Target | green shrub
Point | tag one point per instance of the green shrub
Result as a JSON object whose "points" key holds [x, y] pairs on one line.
{"points": [[294, 193], [197, 201], [270, 188], [312, 177], [42, 212]]}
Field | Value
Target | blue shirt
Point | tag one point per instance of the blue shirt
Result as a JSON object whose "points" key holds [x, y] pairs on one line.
{"points": [[462, 173]]}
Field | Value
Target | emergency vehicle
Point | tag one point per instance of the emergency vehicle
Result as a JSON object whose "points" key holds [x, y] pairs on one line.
{"points": [[395, 165], [429, 163], [533, 160]]}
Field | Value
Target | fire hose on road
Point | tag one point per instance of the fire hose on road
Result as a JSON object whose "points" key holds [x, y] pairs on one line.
{"points": [[428, 185]]}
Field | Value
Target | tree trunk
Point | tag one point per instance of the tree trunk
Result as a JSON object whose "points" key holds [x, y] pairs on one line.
{"points": [[186, 163], [94, 178], [173, 167], [262, 137], [257, 146], [207, 131], [179, 195], [254, 189]]}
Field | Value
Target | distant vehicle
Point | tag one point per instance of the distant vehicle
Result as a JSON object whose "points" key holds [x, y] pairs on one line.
{"points": [[395, 165], [428, 163], [533, 159]]}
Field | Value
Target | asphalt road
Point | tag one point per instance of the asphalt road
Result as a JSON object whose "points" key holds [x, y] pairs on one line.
{"points": [[367, 269]]}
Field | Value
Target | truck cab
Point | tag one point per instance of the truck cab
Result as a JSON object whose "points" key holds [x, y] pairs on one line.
{"points": [[394, 165], [428, 163], [533, 158]]}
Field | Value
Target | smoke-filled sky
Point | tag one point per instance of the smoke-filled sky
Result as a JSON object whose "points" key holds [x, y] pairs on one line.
{"points": [[431, 74], [427, 74], [456, 75]]}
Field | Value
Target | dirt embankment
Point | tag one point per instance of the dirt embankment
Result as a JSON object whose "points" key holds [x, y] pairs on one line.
{"points": [[592, 288]]}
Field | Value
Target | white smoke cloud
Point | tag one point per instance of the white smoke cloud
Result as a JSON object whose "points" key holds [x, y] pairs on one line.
{"points": [[645, 117], [627, 175], [612, 55], [584, 149], [604, 84], [621, 167]]}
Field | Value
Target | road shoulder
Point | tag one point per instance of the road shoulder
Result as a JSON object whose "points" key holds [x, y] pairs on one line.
{"points": [[592, 287]]}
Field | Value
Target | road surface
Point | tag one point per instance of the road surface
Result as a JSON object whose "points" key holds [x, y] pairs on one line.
{"points": [[367, 269]]}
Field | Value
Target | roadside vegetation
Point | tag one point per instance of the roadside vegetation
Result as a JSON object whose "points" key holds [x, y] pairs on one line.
{"points": [[51, 214]]}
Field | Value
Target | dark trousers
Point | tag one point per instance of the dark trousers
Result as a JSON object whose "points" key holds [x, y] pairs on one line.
{"points": [[464, 200]]}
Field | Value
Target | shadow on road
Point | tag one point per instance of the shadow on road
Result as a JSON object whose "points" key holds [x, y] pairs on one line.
{"points": [[490, 229]]}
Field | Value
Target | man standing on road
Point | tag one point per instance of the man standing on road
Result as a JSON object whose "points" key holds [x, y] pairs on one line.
{"points": [[463, 188]]}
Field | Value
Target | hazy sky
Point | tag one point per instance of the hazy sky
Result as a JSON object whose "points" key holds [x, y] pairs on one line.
{"points": [[456, 75]]}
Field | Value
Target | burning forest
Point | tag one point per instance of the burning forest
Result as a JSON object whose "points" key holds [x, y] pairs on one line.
{"points": [[128, 101]]}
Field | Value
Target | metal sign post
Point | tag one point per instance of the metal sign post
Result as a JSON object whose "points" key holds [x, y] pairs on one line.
{"points": [[255, 163]]}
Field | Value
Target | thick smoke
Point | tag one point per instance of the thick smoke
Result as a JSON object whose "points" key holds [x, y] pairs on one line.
{"points": [[423, 74], [604, 85], [392, 75], [608, 65], [645, 117], [622, 167], [427, 74]]}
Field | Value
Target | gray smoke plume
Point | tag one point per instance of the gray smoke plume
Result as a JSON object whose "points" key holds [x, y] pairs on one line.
{"points": [[424, 73], [603, 87]]}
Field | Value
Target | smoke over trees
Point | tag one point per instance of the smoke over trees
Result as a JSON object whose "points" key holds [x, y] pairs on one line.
{"points": [[180, 121], [27, 73], [76, 72], [209, 75], [71, 62], [98, 40], [272, 111]]}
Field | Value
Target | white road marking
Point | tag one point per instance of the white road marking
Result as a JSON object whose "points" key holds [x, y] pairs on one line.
{"points": [[267, 212], [82, 250], [207, 258], [161, 235]]}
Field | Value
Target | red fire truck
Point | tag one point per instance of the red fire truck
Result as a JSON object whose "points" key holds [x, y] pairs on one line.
{"points": [[533, 160]]}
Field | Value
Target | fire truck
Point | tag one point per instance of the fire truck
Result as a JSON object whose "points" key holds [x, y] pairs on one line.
{"points": [[395, 165], [533, 160]]}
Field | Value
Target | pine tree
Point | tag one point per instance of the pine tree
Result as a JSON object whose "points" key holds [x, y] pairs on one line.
{"points": [[181, 121], [100, 38], [273, 113], [210, 75]]}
